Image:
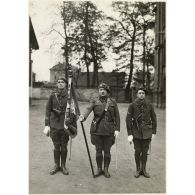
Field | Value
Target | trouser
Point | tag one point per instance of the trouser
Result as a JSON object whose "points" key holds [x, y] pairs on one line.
{"points": [[141, 147], [60, 141], [102, 144]]}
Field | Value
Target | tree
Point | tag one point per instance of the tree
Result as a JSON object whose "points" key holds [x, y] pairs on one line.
{"points": [[146, 21], [123, 35], [149, 61], [127, 36], [68, 13], [64, 28], [91, 33]]}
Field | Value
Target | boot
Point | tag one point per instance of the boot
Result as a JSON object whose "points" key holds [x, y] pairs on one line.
{"points": [[144, 172], [106, 166], [99, 166], [137, 173], [63, 162], [57, 162], [137, 161]]}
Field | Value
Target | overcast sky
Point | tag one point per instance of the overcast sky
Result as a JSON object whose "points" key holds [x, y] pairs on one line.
{"points": [[42, 14]]}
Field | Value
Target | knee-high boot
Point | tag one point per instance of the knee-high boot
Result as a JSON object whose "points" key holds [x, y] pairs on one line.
{"points": [[137, 161], [144, 160], [63, 162], [107, 160], [57, 162], [99, 159]]}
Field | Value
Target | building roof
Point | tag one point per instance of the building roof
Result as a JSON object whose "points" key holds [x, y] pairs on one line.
{"points": [[58, 67], [33, 40]]}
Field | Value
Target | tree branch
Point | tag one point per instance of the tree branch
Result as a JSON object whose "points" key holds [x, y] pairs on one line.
{"points": [[54, 30], [122, 45]]}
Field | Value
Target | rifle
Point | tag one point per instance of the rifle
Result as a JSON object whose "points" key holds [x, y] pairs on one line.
{"points": [[71, 89]]}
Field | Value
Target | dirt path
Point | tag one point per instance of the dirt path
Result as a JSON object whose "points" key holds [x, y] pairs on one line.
{"points": [[80, 179]]}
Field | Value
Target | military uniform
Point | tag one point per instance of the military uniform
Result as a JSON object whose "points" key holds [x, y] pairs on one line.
{"points": [[103, 127], [54, 117], [141, 123]]}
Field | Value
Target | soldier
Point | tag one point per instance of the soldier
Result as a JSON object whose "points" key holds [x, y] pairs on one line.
{"points": [[54, 123], [141, 128], [105, 126]]}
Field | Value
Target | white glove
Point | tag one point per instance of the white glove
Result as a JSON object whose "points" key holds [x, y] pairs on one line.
{"points": [[46, 131], [81, 118], [153, 136], [130, 138], [116, 133]]}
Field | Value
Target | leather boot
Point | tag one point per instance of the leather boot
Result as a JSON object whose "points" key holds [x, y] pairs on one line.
{"points": [[57, 162], [144, 172], [137, 161], [99, 160], [106, 166], [63, 162]]}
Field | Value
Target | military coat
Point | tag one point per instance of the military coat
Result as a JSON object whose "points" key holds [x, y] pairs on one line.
{"points": [[141, 119], [110, 120], [55, 109]]}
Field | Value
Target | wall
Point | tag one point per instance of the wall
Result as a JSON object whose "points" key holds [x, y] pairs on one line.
{"points": [[82, 94]]}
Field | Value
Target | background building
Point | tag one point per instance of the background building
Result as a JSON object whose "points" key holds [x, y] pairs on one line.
{"points": [[33, 45], [160, 56], [113, 79]]}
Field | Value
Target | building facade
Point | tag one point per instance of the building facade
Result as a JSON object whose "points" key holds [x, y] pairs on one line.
{"points": [[33, 45], [57, 71], [160, 56]]}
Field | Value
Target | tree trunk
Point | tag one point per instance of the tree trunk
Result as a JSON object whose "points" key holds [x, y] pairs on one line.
{"points": [[95, 67], [144, 55], [66, 58], [148, 77], [87, 65], [127, 90], [86, 47], [66, 50]]}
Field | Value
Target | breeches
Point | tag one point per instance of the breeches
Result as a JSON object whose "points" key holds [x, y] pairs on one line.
{"points": [[60, 139], [102, 143], [141, 146]]}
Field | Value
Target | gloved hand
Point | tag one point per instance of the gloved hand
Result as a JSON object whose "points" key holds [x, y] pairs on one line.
{"points": [[130, 139], [116, 133], [81, 118], [153, 136], [46, 130]]}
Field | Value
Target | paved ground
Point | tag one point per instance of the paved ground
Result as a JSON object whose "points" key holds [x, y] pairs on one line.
{"points": [[80, 179]]}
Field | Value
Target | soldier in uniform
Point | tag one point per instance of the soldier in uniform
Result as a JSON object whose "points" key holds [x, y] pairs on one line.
{"points": [[54, 122], [104, 128], [141, 127]]}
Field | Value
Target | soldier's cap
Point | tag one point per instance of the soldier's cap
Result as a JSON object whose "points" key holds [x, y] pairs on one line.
{"points": [[143, 89], [104, 86], [62, 78]]}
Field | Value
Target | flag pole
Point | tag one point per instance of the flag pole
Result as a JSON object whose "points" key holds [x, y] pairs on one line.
{"points": [[84, 134], [78, 112]]}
